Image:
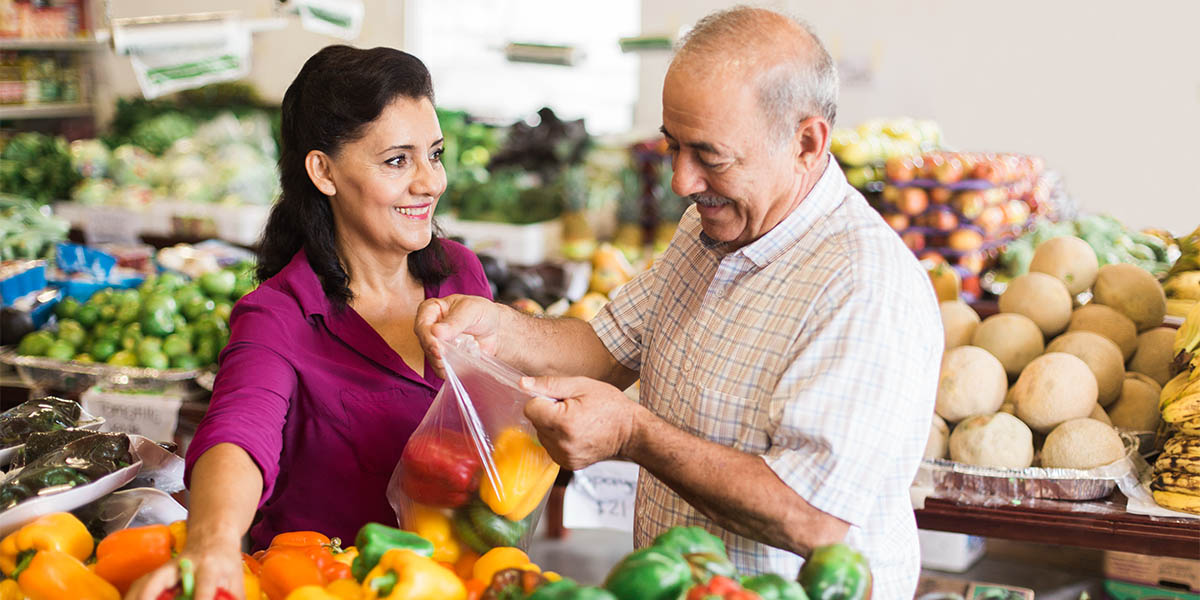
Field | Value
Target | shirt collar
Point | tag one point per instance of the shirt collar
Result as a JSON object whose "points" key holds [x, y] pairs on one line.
{"points": [[821, 199], [300, 278]]}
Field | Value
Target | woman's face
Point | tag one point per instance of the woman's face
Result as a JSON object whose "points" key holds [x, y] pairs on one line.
{"points": [[387, 182]]}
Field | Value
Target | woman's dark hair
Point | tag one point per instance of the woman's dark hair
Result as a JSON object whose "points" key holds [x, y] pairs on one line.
{"points": [[338, 92]]}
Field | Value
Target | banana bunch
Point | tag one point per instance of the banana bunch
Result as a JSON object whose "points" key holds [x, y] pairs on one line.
{"points": [[1176, 483], [1182, 285]]}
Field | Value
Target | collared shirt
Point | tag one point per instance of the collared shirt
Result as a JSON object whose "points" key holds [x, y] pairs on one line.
{"points": [[320, 402], [816, 347]]}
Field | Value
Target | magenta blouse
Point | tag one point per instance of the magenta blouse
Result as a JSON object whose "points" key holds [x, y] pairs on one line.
{"points": [[320, 401]]}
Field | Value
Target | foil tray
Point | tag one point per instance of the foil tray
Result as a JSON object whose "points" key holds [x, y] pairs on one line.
{"points": [[73, 377], [970, 484]]}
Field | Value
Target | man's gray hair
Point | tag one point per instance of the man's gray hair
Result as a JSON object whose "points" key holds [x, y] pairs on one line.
{"points": [[794, 89]]}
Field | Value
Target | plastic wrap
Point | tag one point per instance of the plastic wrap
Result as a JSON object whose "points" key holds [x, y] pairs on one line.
{"points": [[130, 508], [74, 377], [78, 418], [474, 462], [985, 486]]}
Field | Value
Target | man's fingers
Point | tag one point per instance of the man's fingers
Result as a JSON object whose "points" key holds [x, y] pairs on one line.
{"points": [[541, 410], [556, 387]]}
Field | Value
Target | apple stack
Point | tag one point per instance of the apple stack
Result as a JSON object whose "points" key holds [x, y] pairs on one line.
{"points": [[957, 207], [863, 150]]}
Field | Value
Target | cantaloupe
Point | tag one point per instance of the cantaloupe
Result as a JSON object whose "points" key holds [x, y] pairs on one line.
{"points": [[939, 437], [1069, 259], [1056, 387], [1102, 356], [1108, 322], [1011, 337], [1133, 291], [1042, 298], [998, 440], [1155, 351], [959, 322], [1137, 408], [1082, 444], [1099, 414], [971, 382]]}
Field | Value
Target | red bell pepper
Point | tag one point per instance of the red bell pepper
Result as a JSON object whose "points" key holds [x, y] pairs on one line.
{"points": [[720, 587], [441, 468], [186, 588]]}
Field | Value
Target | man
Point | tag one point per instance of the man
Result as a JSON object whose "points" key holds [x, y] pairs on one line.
{"points": [[788, 343]]}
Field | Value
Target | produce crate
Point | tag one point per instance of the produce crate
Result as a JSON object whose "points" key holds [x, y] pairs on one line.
{"points": [[517, 244]]}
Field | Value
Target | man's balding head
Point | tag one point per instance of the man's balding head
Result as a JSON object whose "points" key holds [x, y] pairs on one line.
{"points": [[795, 76]]}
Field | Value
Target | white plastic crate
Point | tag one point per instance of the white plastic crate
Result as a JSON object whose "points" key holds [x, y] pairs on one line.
{"points": [[517, 244], [953, 552]]}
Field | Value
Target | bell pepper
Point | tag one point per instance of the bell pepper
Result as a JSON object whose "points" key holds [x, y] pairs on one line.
{"points": [[126, 555], [375, 539], [285, 569], [346, 556], [475, 589], [56, 575], [650, 574], [773, 587], [704, 551], [56, 531], [524, 473], [9, 590], [433, 525], [345, 589], [178, 535], [569, 590], [513, 584], [465, 565], [402, 574], [186, 588], [499, 559], [481, 529], [836, 572], [721, 588], [440, 468], [250, 586]]}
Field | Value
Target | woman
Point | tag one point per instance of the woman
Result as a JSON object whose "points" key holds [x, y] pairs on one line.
{"points": [[323, 379]]}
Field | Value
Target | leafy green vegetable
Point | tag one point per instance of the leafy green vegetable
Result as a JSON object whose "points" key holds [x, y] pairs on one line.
{"points": [[37, 166]]}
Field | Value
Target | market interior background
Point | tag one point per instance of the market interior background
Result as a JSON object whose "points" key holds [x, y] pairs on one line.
{"points": [[1105, 94]]}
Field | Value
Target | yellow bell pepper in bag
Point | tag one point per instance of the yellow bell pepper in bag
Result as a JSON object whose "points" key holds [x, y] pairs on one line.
{"points": [[56, 531], [405, 575], [434, 525], [525, 473]]}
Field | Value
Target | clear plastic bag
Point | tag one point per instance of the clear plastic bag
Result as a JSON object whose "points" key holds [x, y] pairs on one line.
{"points": [[473, 475]]}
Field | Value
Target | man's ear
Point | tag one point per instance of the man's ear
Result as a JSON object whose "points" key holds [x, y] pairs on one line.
{"points": [[320, 171], [810, 143]]}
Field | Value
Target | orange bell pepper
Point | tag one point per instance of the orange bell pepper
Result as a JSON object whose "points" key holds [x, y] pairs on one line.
{"points": [[56, 575], [304, 558], [251, 563], [56, 531], [464, 567], [524, 472], [126, 555], [475, 589]]}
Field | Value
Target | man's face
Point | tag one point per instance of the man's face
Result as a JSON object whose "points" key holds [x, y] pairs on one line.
{"points": [[742, 180]]}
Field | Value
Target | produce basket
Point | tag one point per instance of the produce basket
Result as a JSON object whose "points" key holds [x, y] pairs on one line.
{"points": [[969, 484], [73, 377]]}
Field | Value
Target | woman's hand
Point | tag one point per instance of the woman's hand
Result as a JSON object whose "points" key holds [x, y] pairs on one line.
{"points": [[217, 564], [447, 318]]}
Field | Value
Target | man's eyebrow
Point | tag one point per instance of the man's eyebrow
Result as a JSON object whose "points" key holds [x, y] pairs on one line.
{"points": [[701, 146]]}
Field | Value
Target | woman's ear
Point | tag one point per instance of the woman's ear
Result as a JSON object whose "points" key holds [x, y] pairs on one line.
{"points": [[320, 171]]}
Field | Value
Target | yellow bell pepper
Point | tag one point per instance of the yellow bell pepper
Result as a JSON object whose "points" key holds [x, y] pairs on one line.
{"points": [[551, 576], [310, 592], [525, 473], [56, 531], [178, 535], [250, 583], [499, 559], [434, 525], [406, 575], [55, 575], [9, 590], [345, 589], [346, 556]]}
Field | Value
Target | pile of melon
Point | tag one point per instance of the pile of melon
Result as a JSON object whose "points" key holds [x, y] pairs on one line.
{"points": [[1047, 379]]}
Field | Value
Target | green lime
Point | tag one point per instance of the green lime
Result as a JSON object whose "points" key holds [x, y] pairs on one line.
{"points": [[108, 313], [218, 284], [124, 358], [224, 309], [180, 321], [205, 351], [148, 284], [101, 297], [62, 350], [127, 297], [67, 308], [160, 302], [245, 285], [184, 294], [150, 344], [71, 332], [154, 360], [170, 281], [36, 343], [84, 357], [184, 361], [127, 313], [197, 306], [101, 330], [158, 322], [103, 348], [88, 315], [131, 336], [177, 345]]}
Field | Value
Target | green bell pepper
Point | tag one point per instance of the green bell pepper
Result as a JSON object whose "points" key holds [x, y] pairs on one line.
{"points": [[481, 529], [569, 590], [650, 574], [704, 551], [836, 572], [375, 539], [773, 587]]}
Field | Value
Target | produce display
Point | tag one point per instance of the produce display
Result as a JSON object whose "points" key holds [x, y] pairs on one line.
{"points": [[78, 462], [1176, 483], [28, 230], [1042, 367], [864, 150], [1111, 242], [168, 322], [37, 415], [36, 166], [1182, 283]]}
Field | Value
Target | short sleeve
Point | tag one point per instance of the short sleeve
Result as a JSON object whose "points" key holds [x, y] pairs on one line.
{"points": [[857, 398], [622, 324], [251, 395]]}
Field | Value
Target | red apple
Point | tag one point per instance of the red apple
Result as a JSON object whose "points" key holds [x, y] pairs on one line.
{"points": [[969, 203], [915, 240], [938, 219], [929, 165], [901, 169], [965, 240], [913, 201], [970, 285], [897, 221], [940, 195]]}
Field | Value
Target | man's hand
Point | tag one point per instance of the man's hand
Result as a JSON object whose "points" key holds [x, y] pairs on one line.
{"points": [[446, 318], [592, 422]]}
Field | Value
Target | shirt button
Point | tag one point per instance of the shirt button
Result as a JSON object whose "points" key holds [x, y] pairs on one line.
{"points": [[687, 366]]}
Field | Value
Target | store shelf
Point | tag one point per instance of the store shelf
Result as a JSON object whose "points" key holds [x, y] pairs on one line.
{"points": [[63, 44], [1069, 525], [45, 111]]}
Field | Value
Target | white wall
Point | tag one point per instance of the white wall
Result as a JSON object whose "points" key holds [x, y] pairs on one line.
{"points": [[1107, 92]]}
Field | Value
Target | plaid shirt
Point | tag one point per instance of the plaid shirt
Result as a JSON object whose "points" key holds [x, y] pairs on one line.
{"points": [[816, 347]]}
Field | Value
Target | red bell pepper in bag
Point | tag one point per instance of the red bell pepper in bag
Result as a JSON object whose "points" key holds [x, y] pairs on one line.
{"points": [[440, 468]]}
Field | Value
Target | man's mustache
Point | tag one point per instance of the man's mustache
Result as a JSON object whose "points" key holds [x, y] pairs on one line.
{"points": [[709, 200]]}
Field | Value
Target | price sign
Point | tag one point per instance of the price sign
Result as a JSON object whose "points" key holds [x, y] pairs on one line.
{"points": [[602, 497], [153, 415]]}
